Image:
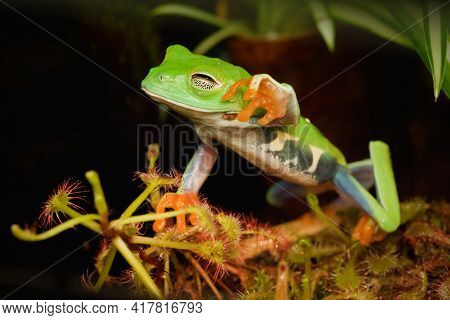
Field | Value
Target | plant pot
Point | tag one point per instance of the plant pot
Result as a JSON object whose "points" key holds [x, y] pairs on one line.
{"points": [[260, 54]]}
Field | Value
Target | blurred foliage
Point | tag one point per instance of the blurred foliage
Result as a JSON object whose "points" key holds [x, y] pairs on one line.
{"points": [[268, 19], [419, 25]]}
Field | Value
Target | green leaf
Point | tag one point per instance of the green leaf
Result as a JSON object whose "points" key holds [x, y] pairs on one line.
{"points": [[213, 39], [435, 27], [424, 29], [371, 16], [409, 19], [446, 82], [324, 22], [189, 12]]}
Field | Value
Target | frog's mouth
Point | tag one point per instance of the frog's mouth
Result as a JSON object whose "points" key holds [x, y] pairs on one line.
{"points": [[215, 117], [174, 104], [198, 115]]}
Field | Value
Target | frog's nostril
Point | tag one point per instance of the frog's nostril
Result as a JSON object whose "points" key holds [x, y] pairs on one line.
{"points": [[161, 78]]}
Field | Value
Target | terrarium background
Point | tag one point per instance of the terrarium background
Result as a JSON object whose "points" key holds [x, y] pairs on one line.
{"points": [[62, 116]]}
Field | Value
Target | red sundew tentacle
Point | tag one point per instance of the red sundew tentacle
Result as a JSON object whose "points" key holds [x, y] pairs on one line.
{"points": [[65, 193]]}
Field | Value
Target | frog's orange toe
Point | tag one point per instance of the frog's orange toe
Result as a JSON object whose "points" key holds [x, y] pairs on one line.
{"points": [[366, 231], [271, 116], [159, 225], [234, 88], [265, 95], [247, 113], [177, 202]]}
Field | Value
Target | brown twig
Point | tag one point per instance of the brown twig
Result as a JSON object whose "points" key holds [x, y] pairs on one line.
{"points": [[203, 274], [226, 288]]}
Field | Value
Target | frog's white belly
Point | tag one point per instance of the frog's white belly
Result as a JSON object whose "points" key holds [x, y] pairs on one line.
{"points": [[252, 144]]}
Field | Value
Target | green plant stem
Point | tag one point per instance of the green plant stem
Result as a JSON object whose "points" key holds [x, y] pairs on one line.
{"points": [[153, 216], [152, 156], [308, 261], [306, 279], [166, 276], [27, 235], [355, 250], [166, 243], [201, 212], [306, 285], [313, 203], [99, 196], [94, 226], [106, 267], [146, 217], [138, 201], [137, 266]]}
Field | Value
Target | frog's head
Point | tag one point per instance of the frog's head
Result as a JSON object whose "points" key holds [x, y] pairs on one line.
{"points": [[193, 85]]}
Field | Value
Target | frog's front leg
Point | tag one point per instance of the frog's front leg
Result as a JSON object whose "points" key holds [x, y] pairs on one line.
{"points": [[263, 92], [193, 178], [385, 210]]}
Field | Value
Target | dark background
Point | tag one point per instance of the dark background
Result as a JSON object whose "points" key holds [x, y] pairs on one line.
{"points": [[63, 115]]}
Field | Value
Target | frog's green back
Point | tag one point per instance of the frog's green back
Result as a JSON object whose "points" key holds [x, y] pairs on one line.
{"points": [[308, 135]]}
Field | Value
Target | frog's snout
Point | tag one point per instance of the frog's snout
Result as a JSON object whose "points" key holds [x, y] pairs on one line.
{"points": [[156, 78]]}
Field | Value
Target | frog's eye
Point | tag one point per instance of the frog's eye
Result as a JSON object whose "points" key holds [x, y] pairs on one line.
{"points": [[204, 81]]}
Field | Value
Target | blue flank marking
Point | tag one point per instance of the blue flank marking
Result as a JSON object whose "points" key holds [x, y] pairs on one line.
{"points": [[348, 185]]}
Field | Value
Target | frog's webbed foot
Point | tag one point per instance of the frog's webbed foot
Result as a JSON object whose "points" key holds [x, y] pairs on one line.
{"points": [[264, 92], [177, 202], [367, 231], [194, 176], [385, 208]]}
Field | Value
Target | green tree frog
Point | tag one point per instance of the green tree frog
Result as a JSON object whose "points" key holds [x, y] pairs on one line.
{"points": [[259, 118]]}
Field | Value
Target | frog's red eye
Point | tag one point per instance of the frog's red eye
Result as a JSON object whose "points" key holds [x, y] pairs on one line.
{"points": [[204, 82]]}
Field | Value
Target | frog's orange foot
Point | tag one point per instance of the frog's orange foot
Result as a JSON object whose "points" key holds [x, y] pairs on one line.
{"points": [[177, 202], [367, 232], [264, 92]]}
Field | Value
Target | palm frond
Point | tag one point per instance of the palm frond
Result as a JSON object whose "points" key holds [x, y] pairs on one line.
{"points": [[189, 12], [324, 22]]}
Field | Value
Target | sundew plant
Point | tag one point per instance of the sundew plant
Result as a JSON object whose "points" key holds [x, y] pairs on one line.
{"points": [[226, 255]]}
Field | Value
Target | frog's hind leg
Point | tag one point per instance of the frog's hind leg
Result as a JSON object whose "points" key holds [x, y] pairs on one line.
{"points": [[385, 210], [281, 192], [363, 172]]}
